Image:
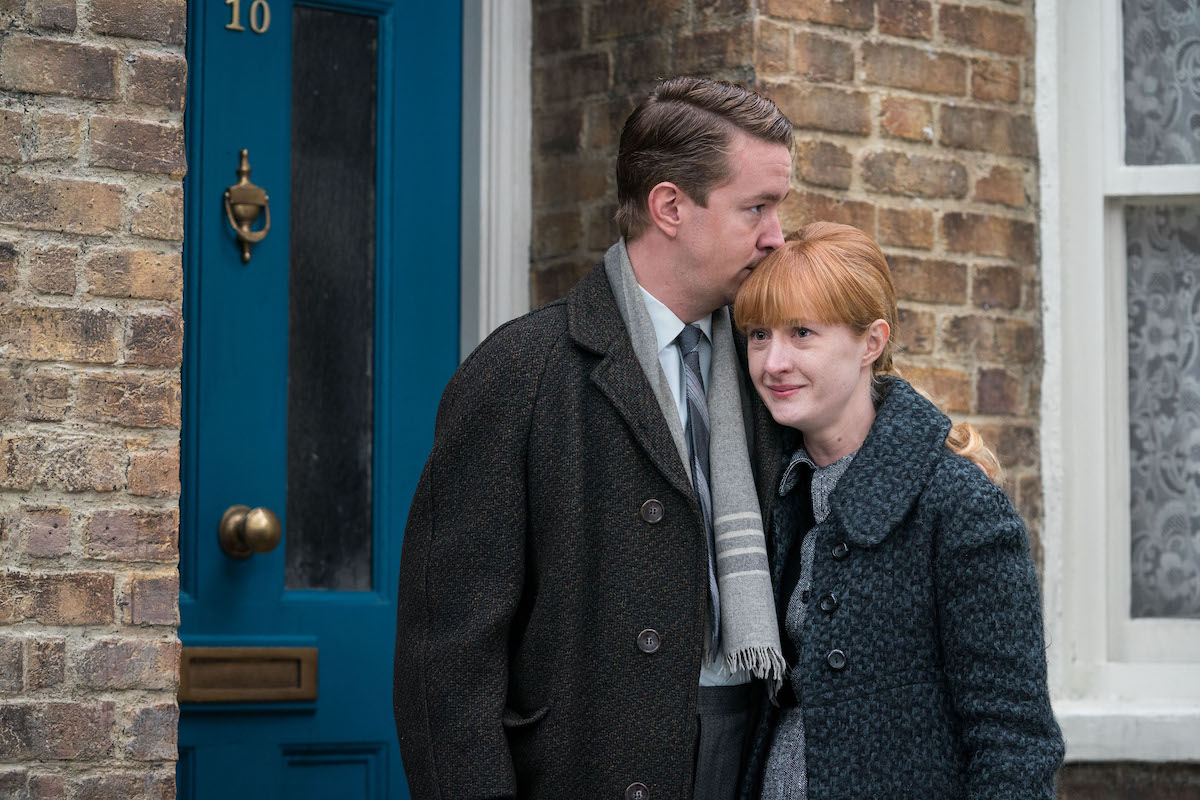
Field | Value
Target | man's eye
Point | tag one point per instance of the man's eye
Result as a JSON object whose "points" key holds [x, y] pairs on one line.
{"points": [[758, 208]]}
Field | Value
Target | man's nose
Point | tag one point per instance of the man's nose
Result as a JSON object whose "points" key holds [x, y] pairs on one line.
{"points": [[772, 237]]}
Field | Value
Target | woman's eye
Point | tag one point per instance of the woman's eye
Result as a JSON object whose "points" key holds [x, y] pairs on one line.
{"points": [[758, 335], [802, 332]]}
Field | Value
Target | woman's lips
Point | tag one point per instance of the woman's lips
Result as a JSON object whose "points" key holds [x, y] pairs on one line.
{"points": [[784, 391]]}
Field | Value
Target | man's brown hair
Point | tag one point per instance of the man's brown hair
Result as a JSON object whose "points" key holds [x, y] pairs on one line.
{"points": [[681, 134]]}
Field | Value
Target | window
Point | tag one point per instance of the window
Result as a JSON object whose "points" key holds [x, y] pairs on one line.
{"points": [[1119, 123]]}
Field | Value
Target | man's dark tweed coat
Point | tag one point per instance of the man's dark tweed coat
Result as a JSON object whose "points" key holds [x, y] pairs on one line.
{"points": [[936, 608], [528, 571]]}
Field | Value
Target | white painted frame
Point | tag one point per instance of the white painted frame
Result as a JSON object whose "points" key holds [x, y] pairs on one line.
{"points": [[496, 171], [1123, 689]]}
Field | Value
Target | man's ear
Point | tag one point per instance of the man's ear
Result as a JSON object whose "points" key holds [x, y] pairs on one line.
{"points": [[664, 204], [877, 338]]}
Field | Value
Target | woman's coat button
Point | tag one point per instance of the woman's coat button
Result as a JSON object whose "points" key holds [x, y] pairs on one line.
{"points": [[840, 551], [837, 660]]}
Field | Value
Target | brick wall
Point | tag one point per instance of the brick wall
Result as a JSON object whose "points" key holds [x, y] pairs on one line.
{"points": [[91, 225]]}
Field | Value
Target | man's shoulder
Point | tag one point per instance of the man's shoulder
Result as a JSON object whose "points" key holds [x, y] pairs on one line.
{"points": [[524, 337]]}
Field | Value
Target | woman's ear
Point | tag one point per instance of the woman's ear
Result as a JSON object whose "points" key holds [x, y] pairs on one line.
{"points": [[877, 338], [663, 203]]}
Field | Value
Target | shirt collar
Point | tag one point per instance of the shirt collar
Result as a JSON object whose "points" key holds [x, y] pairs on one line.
{"points": [[667, 326]]}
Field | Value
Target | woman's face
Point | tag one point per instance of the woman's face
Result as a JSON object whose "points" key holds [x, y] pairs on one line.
{"points": [[813, 377]]}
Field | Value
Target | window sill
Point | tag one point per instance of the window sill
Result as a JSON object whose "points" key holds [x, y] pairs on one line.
{"points": [[1129, 731]]}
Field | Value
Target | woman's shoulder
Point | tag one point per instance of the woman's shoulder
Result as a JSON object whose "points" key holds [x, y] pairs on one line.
{"points": [[966, 500]]}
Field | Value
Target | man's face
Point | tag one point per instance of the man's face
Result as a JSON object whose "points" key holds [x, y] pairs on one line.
{"points": [[740, 224]]}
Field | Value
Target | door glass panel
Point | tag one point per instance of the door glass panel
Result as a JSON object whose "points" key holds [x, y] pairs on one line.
{"points": [[1162, 82], [332, 301], [1163, 269]]}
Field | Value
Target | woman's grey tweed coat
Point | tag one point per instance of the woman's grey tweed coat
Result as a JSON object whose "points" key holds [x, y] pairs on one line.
{"points": [[943, 693], [528, 571]]}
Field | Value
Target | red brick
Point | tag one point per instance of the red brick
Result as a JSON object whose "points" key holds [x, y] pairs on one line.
{"points": [[558, 133], [11, 122], [128, 664], [47, 787], [904, 118], [52, 270], [8, 267], [708, 52], [12, 780], [54, 15], [949, 388], [857, 14], [159, 215], [822, 108], [997, 287], [556, 183], [772, 47], [47, 531], [153, 732], [154, 473], [604, 122], [801, 208], [157, 20], [1016, 446], [1002, 185], [51, 66], [137, 146], [991, 339], [556, 29], [51, 204], [38, 396], [11, 666], [819, 58], [984, 28], [155, 340], [153, 600], [646, 59], [571, 78], [997, 391], [916, 333], [56, 137], [136, 273], [72, 598], [915, 68], [990, 236], [127, 786], [988, 130], [45, 663], [157, 80], [131, 401], [719, 11], [824, 163], [35, 731], [914, 176], [73, 464], [600, 227], [995, 80], [911, 18], [554, 280], [58, 334], [929, 281], [905, 228], [608, 19], [133, 535]]}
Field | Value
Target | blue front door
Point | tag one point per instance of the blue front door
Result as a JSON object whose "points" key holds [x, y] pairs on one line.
{"points": [[316, 350]]}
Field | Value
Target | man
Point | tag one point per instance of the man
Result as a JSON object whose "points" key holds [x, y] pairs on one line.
{"points": [[584, 591]]}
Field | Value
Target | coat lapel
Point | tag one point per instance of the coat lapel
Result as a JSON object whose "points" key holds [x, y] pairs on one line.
{"points": [[595, 324]]}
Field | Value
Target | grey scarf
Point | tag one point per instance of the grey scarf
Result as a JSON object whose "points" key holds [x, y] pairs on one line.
{"points": [[749, 631]]}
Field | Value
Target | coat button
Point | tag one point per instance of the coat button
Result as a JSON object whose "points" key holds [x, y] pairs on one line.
{"points": [[652, 511], [837, 660], [649, 640], [840, 551], [637, 791], [829, 603]]}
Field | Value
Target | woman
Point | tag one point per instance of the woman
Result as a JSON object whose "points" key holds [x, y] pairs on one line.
{"points": [[906, 593]]}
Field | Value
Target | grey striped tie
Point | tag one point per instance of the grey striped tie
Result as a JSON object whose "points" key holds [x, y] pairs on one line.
{"points": [[697, 437]]}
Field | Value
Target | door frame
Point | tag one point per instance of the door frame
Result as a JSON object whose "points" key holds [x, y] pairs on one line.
{"points": [[496, 212]]}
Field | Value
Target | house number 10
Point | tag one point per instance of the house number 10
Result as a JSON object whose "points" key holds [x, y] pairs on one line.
{"points": [[260, 16]]}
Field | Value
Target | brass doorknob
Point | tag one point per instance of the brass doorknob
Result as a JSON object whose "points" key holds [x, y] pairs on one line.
{"points": [[243, 531]]}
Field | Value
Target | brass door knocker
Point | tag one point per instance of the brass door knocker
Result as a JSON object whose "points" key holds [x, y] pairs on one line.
{"points": [[243, 203]]}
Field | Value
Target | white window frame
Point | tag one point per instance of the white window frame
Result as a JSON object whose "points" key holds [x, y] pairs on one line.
{"points": [[1123, 689], [496, 173]]}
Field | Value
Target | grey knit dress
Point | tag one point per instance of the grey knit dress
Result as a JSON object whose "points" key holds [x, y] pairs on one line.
{"points": [[786, 776]]}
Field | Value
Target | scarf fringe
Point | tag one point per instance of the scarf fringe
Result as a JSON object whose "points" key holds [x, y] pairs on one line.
{"points": [[766, 663]]}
